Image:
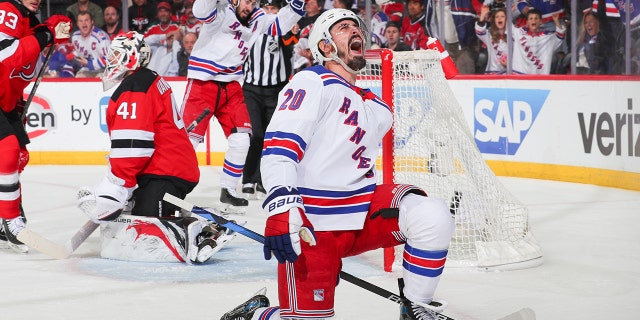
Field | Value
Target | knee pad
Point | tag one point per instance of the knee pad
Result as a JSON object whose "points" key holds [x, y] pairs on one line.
{"points": [[426, 222], [239, 141]]}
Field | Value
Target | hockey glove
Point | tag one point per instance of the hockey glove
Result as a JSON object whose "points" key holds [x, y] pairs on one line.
{"points": [[105, 200], [58, 27], [283, 233], [297, 6]]}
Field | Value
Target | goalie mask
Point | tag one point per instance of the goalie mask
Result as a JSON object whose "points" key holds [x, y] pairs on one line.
{"points": [[320, 32], [128, 52]]}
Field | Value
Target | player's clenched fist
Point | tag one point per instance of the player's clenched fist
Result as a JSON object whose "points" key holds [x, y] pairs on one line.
{"points": [[286, 225], [59, 27]]}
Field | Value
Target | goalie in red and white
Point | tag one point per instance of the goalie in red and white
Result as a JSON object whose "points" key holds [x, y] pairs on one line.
{"points": [[150, 155], [22, 38], [318, 165]]}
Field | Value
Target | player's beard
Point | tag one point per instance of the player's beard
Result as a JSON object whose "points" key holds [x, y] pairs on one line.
{"points": [[357, 63], [244, 20]]}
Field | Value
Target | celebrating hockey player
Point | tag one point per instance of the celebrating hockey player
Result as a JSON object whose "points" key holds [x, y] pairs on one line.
{"points": [[230, 28], [150, 155], [22, 38], [323, 202]]}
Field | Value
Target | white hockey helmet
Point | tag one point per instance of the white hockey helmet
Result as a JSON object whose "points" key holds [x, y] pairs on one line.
{"points": [[320, 32], [127, 52]]}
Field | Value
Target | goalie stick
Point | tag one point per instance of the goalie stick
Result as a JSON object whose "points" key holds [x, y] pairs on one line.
{"points": [[89, 227], [221, 220]]}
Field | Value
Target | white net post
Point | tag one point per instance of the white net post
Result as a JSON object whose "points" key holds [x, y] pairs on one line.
{"points": [[434, 149]]}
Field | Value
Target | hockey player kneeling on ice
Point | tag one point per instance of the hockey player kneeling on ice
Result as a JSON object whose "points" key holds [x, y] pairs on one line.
{"points": [[324, 203], [150, 155]]}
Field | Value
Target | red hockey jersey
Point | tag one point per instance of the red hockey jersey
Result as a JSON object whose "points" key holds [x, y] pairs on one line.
{"points": [[19, 51], [148, 136]]}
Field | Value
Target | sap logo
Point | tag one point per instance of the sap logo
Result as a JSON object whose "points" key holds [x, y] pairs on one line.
{"points": [[40, 118], [503, 117], [104, 103]]}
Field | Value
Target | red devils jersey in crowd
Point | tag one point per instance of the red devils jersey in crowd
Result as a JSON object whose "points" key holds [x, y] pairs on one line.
{"points": [[148, 136], [19, 51]]}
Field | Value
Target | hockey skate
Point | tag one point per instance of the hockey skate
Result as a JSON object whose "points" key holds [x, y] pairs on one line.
{"points": [[245, 311], [9, 230], [205, 239], [231, 202], [254, 191], [417, 311]]}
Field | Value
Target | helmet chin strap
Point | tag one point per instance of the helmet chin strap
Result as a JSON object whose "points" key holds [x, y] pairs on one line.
{"points": [[334, 57]]}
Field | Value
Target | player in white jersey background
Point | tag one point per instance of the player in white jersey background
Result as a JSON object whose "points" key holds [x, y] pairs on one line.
{"points": [[230, 28], [323, 202]]}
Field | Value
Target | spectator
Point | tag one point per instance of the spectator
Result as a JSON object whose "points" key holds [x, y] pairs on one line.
{"points": [[495, 38], [378, 23], [266, 71], [593, 48], [141, 16], [90, 47], [164, 39], [459, 35], [86, 5], [188, 41], [392, 36], [191, 23], [58, 66], [178, 7], [394, 9], [112, 22], [413, 30], [533, 48], [301, 54]]}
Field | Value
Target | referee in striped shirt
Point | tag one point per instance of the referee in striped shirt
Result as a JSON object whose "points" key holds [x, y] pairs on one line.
{"points": [[266, 71]]}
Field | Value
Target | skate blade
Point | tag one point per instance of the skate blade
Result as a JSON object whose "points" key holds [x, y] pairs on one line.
{"points": [[19, 248], [229, 209]]}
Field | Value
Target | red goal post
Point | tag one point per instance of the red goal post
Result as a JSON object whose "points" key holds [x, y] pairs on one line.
{"points": [[430, 145]]}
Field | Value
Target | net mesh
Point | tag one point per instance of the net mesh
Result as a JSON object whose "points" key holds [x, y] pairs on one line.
{"points": [[434, 149]]}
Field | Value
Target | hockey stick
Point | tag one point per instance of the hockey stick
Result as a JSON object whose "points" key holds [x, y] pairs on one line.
{"points": [[37, 82], [523, 314], [195, 122], [39, 243], [219, 219], [89, 227]]}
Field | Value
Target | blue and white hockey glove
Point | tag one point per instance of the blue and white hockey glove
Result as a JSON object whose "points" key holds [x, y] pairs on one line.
{"points": [[297, 6], [286, 225]]}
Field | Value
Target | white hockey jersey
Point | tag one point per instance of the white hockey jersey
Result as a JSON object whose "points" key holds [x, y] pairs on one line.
{"points": [[495, 51], [533, 52], [94, 48], [223, 44], [324, 139]]}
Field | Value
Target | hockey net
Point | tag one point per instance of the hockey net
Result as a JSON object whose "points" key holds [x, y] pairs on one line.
{"points": [[431, 146]]}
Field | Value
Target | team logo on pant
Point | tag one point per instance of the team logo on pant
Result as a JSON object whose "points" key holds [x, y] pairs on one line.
{"points": [[318, 295]]}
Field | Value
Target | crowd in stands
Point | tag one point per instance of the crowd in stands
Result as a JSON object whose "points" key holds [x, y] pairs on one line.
{"points": [[474, 33]]}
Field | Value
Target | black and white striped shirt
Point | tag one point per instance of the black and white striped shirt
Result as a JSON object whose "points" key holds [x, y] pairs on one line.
{"points": [[268, 63]]}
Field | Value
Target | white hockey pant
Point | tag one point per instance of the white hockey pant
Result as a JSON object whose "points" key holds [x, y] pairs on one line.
{"points": [[428, 226]]}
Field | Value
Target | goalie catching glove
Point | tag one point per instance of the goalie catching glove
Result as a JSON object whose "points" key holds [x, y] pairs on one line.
{"points": [[286, 225], [105, 200]]}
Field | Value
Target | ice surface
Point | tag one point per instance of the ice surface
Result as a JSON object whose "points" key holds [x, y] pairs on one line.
{"points": [[590, 238]]}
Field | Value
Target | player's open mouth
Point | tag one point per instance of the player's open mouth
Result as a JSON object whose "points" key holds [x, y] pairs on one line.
{"points": [[356, 46]]}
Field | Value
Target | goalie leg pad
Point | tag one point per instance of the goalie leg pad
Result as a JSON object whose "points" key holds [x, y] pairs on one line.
{"points": [[144, 239]]}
